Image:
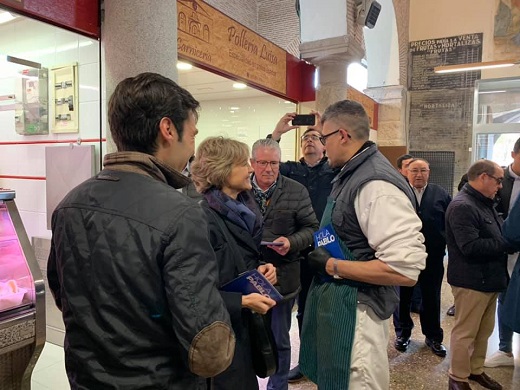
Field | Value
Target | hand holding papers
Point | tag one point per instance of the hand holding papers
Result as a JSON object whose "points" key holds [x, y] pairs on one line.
{"points": [[252, 282]]}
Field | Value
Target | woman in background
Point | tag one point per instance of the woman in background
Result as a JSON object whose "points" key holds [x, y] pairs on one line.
{"points": [[221, 172]]}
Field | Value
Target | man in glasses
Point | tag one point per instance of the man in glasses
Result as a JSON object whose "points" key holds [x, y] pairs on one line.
{"points": [[314, 172], [289, 222], [432, 200], [371, 211], [477, 272], [507, 195]]}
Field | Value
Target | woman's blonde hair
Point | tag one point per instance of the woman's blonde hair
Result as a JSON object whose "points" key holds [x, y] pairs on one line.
{"points": [[214, 161]]}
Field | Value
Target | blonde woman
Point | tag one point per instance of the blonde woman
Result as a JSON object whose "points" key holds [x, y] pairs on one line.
{"points": [[221, 172]]}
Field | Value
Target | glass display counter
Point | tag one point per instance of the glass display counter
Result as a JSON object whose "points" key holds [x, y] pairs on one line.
{"points": [[22, 300]]}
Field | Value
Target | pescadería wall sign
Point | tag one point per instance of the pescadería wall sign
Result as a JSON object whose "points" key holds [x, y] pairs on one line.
{"points": [[209, 37], [429, 53]]}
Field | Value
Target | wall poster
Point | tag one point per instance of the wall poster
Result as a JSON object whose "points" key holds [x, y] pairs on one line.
{"points": [[64, 99], [507, 30]]}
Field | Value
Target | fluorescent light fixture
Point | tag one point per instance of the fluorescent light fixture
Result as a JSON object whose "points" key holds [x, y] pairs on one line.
{"points": [[474, 66], [239, 86], [6, 17], [234, 108], [484, 92], [184, 65]]}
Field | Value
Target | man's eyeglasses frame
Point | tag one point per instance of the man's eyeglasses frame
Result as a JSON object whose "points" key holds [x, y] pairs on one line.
{"points": [[324, 137], [263, 164], [499, 180]]}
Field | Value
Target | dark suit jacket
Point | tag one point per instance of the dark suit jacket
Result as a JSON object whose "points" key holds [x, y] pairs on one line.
{"points": [[432, 209], [504, 194]]}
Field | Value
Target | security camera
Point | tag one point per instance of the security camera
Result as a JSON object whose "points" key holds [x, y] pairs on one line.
{"points": [[367, 12]]}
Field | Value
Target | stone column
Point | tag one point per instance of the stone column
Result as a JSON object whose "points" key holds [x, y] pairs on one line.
{"points": [[332, 80], [137, 36], [392, 114], [332, 56]]}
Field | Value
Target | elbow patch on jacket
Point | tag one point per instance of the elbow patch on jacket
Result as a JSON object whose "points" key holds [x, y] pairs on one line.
{"points": [[212, 350]]}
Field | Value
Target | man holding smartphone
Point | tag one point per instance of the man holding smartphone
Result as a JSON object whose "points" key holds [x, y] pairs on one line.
{"points": [[314, 172]]}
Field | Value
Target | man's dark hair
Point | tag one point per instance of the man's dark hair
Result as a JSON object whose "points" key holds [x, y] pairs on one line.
{"points": [[350, 114], [309, 129], [137, 106], [463, 181], [480, 167], [516, 148], [400, 159]]}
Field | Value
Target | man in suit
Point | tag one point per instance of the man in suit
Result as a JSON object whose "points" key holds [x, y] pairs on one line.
{"points": [[432, 203]]}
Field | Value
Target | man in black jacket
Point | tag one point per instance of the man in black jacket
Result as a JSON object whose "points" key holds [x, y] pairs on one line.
{"points": [[289, 222], [314, 172], [477, 272], [432, 203], [131, 266], [507, 195]]}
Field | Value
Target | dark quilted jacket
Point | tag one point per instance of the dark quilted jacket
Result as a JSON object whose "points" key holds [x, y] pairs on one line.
{"points": [[137, 286], [317, 179], [477, 251], [289, 214]]}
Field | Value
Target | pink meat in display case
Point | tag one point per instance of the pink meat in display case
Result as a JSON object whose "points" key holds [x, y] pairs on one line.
{"points": [[22, 299]]}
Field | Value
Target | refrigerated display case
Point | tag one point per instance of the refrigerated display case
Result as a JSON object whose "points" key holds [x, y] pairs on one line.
{"points": [[22, 300]]}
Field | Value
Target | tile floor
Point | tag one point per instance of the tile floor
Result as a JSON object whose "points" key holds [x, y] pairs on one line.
{"points": [[418, 368]]}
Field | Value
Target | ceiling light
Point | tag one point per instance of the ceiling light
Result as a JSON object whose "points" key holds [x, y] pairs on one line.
{"points": [[234, 108], [484, 92], [474, 66], [239, 86], [184, 65], [6, 17]]}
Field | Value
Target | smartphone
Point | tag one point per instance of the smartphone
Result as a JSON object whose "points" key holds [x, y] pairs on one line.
{"points": [[304, 120], [271, 243]]}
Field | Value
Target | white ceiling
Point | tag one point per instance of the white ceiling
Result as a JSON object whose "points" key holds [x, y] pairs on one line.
{"points": [[206, 86]]}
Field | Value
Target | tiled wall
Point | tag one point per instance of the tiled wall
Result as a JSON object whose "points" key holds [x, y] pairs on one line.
{"points": [[275, 20], [279, 23], [52, 47], [243, 11]]}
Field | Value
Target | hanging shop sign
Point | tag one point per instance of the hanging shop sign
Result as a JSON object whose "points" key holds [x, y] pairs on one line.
{"points": [[371, 107], [80, 16], [211, 38]]}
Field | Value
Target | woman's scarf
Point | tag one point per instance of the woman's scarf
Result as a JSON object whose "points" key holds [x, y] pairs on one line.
{"points": [[243, 211]]}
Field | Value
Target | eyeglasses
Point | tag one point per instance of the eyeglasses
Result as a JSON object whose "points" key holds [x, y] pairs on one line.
{"points": [[310, 137], [324, 137], [263, 164], [417, 171], [499, 180]]}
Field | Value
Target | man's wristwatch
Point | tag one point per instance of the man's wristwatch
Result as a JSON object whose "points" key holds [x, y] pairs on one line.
{"points": [[335, 267]]}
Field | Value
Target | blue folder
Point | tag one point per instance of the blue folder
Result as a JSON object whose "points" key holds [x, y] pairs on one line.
{"points": [[252, 282]]}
